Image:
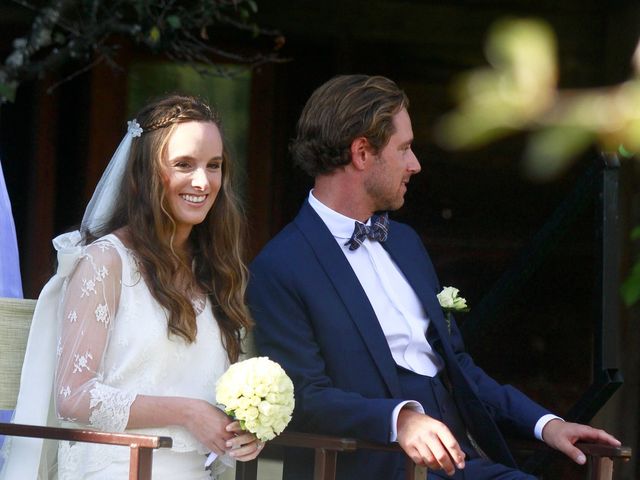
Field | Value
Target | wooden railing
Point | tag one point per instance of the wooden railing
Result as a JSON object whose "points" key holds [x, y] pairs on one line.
{"points": [[140, 446], [326, 448], [600, 458]]}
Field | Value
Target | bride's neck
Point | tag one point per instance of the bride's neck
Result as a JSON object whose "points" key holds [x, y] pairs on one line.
{"points": [[124, 236]]}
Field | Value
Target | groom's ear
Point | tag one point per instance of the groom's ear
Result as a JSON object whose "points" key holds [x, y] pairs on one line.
{"points": [[361, 153]]}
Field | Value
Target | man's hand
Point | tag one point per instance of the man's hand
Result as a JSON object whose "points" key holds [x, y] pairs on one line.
{"points": [[563, 435], [429, 442]]}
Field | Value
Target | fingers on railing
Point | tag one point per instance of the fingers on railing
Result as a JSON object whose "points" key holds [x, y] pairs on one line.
{"points": [[601, 458], [326, 448]]}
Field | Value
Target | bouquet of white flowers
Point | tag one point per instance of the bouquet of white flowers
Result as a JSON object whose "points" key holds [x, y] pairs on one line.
{"points": [[259, 394]]}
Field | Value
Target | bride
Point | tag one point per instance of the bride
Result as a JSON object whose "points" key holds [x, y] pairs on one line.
{"points": [[149, 303]]}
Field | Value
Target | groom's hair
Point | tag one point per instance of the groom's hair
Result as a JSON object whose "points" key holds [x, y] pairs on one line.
{"points": [[341, 110]]}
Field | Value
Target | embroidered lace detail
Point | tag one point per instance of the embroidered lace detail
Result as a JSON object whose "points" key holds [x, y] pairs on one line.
{"points": [[102, 272], [81, 362], [70, 460], [110, 408], [102, 314], [88, 286], [114, 345], [78, 459]]}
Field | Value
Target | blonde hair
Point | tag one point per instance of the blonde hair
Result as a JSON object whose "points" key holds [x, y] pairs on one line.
{"points": [[341, 110]]}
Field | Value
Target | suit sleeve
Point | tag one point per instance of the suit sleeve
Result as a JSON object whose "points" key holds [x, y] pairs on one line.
{"points": [[512, 410], [278, 299]]}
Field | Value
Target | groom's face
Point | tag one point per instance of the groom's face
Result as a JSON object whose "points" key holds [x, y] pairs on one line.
{"points": [[392, 167]]}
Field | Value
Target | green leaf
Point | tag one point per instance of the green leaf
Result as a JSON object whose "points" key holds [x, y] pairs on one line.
{"points": [[8, 91], [635, 233], [630, 288], [174, 22], [59, 38], [551, 150], [154, 35], [253, 5], [624, 152]]}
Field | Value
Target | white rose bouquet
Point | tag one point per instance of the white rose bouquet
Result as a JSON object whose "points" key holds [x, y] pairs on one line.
{"points": [[451, 302], [259, 394]]}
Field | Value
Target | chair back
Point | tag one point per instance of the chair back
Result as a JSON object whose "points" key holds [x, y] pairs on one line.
{"points": [[15, 321]]}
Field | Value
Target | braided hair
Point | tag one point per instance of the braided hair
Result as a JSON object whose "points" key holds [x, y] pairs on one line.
{"points": [[217, 266]]}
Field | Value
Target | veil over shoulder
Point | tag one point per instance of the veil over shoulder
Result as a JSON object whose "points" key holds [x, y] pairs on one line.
{"points": [[34, 406], [24, 458]]}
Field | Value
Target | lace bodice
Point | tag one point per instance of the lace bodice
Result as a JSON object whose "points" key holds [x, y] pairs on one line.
{"points": [[113, 345]]}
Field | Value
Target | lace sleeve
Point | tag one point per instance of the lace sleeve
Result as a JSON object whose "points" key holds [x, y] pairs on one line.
{"points": [[88, 310]]}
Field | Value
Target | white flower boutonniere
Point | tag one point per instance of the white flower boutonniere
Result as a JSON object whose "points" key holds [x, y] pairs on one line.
{"points": [[451, 302]]}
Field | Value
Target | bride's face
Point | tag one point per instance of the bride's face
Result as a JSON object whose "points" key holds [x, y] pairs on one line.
{"points": [[192, 173]]}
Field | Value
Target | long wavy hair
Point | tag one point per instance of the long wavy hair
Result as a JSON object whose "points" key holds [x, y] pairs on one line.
{"points": [[217, 244]]}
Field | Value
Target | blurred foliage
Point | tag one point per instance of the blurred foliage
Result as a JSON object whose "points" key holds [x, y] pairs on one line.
{"points": [[512, 93], [631, 286], [88, 32], [518, 92]]}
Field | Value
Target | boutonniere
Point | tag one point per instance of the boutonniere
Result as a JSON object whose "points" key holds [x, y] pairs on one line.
{"points": [[451, 302]]}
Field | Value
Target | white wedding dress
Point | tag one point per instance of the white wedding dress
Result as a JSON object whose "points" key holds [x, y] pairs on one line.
{"points": [[113, 344]]}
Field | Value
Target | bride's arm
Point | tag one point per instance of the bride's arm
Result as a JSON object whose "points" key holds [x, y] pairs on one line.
{"points": [[89, 307], [210, 425]]}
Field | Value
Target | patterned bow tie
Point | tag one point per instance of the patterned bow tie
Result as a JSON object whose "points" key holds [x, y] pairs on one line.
{"points": [[378, 231]]}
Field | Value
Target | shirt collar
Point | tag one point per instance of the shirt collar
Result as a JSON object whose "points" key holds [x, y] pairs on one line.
{"points": [[339, 225]]}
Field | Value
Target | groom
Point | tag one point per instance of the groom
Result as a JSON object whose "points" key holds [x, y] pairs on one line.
{"points": [[345, 301]]}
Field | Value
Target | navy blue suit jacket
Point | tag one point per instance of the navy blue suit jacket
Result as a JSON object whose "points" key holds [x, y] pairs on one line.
{"points": [[313, 317]]}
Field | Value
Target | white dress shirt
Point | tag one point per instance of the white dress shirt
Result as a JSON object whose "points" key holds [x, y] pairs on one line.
{"points": [[399, 311], [397, 307]]}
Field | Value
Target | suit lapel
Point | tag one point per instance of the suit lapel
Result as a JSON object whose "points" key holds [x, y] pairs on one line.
{"points": [[415, 273], [350, 292], [403, 254], [485, 430]]}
